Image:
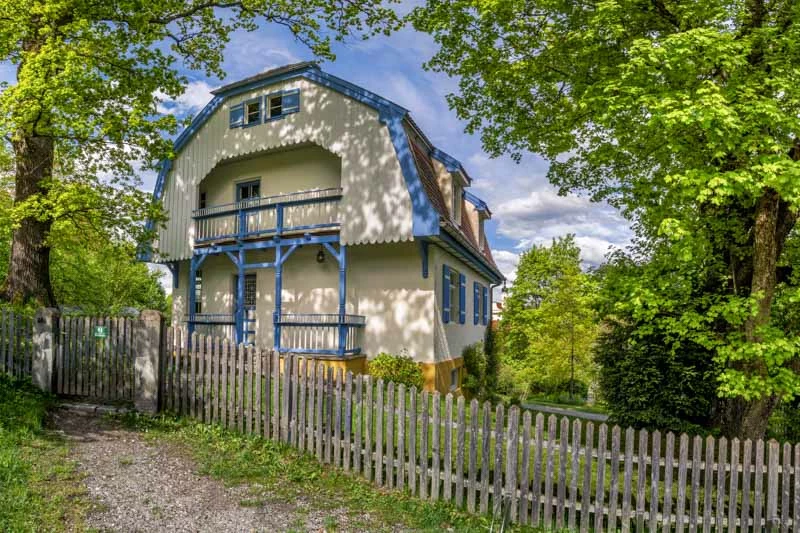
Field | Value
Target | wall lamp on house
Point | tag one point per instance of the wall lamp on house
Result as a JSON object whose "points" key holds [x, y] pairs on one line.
{"points": [[321, 255]]}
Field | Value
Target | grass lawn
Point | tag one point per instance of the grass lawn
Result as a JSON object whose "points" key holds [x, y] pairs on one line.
{"points": [[40, 489], [272, 470]]}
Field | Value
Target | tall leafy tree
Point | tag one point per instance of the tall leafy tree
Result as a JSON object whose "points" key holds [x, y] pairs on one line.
{"points": [[93, 267], [548, 322], [81, 114], [684, 114]]}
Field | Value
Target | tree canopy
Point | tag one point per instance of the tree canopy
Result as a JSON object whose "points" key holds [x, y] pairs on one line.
{"points": [[82, 115], [686, 115]]}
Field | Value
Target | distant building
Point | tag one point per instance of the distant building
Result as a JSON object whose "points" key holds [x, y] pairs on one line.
{"points": [[497, 313]]}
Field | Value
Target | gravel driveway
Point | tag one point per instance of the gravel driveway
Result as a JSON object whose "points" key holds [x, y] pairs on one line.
{"points": [[139, 485]]}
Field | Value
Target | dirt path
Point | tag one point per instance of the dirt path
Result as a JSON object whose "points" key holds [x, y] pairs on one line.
{"points": [[138, 485]]}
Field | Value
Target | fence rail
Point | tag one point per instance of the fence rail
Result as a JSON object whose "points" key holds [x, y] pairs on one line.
{"points": [[545, 472]]}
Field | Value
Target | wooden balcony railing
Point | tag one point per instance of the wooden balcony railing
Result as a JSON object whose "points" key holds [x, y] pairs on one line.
{"points": [[302, 211], [300, 333], [320, 333]]}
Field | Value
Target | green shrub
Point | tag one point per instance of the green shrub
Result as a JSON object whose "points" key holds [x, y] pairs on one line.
{"points": [[475, 368], [396, 368]]}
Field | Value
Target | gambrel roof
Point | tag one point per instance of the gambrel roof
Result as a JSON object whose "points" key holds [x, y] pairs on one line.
{"points": [[431, 219]]}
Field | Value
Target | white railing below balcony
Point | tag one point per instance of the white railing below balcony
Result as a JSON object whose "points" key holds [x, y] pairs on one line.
{"points": [[319, 333], [286, 213], [219, 325]]}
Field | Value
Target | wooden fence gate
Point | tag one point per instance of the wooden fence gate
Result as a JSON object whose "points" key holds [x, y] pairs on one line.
{"points": [[94, 358]]}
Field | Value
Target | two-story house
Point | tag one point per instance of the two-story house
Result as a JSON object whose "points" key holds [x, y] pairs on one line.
{"points": [[313, 216]]}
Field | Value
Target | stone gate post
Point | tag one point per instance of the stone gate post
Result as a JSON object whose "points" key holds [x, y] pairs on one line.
{"points": [[147, 361], [45, 342]]}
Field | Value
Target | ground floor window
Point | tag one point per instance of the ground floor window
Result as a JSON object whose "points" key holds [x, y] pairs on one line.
{"points": [[250, 290]]}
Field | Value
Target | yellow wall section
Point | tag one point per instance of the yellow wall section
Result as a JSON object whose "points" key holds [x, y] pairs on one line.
{"points": [[438, 376], [451, 338]]}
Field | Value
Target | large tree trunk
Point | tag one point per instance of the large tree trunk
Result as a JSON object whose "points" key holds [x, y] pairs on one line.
{"points": [[773, 221], [29, 269]]}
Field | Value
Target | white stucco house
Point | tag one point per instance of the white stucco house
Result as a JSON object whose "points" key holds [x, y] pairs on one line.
{"points": [[313, 216]]}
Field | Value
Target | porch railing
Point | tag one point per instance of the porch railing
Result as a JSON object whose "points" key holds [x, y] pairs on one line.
{"points": [[302, 211], [319, 333], [220, 325], [300, 332]]}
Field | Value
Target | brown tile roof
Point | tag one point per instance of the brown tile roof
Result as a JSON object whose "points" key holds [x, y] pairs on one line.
{"points": [[427, 175], [430, 183]]}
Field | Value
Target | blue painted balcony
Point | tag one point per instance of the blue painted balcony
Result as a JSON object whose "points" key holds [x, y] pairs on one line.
{"points": [[300, 212], [317, 334], [324, 334]]}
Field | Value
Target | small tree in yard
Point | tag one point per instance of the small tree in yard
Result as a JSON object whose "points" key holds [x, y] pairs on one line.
{"points": [[82, 112], [548, 324]]}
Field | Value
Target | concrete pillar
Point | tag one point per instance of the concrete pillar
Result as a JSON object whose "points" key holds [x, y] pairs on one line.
{"points": [[147, 361], [45, 341]]}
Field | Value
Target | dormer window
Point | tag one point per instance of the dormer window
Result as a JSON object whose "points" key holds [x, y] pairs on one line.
{"points": [[264, 108], [253, 112], [275, 106], [457, 195]]}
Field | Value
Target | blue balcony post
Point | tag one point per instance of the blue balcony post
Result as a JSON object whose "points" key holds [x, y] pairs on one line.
{"points": [[276, 317], [242, 223], [240, 297], [279, 219], [342, 297]]}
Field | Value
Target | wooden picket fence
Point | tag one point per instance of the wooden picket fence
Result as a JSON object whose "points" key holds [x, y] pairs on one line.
{"points": [[517, 467], [548, 473], [16, 347], [92, 367]]}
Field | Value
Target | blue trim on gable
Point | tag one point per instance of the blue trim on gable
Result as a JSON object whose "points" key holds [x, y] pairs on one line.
{"points": [[450, 163], [478, 263], [425, 219], [477, 202]]}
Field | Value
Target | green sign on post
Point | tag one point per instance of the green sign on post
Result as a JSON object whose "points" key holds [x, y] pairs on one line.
{"points": [[100, 332]]}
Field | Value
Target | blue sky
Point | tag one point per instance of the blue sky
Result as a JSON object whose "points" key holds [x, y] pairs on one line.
{"points": [[525, 206]]}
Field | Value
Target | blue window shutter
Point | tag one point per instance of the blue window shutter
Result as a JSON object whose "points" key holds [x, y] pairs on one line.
{"points": [[476, 301], [462, 299], [485, 306], [237, 116], [290, 102], [445, 294]]}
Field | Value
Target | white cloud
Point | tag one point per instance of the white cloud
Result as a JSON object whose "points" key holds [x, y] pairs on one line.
{"points": [[194, 98]]}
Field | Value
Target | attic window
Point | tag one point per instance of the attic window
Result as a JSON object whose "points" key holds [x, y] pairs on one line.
{"points": [[275, 106], [283, 103], [253, 112], [458, 195]]}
